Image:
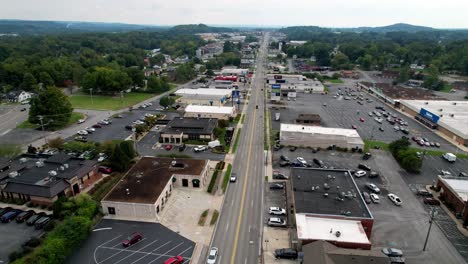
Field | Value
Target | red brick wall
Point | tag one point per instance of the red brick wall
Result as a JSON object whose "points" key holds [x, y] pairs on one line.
{"points": [[450, 198], [343, 244], [94, 176]]}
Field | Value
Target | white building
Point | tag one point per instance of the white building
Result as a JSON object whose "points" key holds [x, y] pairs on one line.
{"points": [[236, 72], [203, 96], [317, 136], [24, 97], [203, 111]]}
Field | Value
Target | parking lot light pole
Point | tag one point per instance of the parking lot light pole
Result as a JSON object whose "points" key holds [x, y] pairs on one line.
{"points": [[431, 219]]}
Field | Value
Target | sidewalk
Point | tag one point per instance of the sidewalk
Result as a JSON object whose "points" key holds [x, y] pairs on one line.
{"points": [[25, 208]]}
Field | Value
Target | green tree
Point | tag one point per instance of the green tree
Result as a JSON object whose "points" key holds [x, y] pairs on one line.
{"points": [[118, 160], [228, 46], [127, 148], [29, 82], [409, 160], [10, 151], [45, 79], [210, 72], [398, 145], [52, 105], [166, 101], [366, 62], [341, 61], [136, 75], [432, 79], [404, 75], [106, 80], [57, 143]]}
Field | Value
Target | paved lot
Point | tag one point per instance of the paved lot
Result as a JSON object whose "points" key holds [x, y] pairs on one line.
{"points": [[158, 244], [404, 227], [12, 236], [342, 113], [432, 165]]}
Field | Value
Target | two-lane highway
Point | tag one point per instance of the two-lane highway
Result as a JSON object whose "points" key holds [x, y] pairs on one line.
{"points": [[239, 230]]}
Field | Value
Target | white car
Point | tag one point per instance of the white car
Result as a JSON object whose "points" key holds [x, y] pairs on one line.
{"points": [[81, 121], [375, 198], [138, 122], [360, 174], [275, 221], [301, 160], [82, 132], [102, 157], [277, 211], [104, 122], [200, 148], [395, 199], [233, 177], [149, 115], [445, 173], [90, 129], [149, 104], [212, 256]]}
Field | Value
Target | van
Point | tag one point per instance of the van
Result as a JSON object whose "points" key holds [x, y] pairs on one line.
{"points": [[8, 217], [33, 219], [450, 157], [41, 222]]}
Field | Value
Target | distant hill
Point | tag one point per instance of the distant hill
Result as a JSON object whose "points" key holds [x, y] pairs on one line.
{"points": [[200, 28], [391, 28], [25, 27]]}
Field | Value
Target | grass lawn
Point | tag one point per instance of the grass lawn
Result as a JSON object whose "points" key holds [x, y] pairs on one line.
{"points": [[227, 175], [447, 88], [334, 80], [103, 102], [73, 119], [236, 141]]}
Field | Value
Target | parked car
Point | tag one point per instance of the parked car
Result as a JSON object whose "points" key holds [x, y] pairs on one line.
{"points": [[392, 252], [43, 221], [431, 201], [381, 129], [132, 239], [22, 217], [364, 167], [233, 177], [373, 174], [285, 253], [200, 148], [175, 260], [104, 122], [424, 193], [318, 162], [182, 147], [366, 156], [129, 127], [395, 199], [104, 169], [284, 158], [32, 220], [97, 126], [82, 132], [361, 119], [279, 176], [354, 127], [5, 210], [277, 211], [138, 122], [360, 173], [284, 163], [276, 221], [366, 197], [276, 186], [168, 147], [463, 174], [10, 216], [81, 139], [375, 198], [373, 187], [292, 149], [118, 116], [81, 121], [212, 256], [102, 157]]}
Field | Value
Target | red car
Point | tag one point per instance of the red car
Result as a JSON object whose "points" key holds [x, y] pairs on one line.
{"points": [[132, 239], [105, 169], [175, 260], [354, 126], [361, 119], [168, 147], [97, 126], [431, 201]]}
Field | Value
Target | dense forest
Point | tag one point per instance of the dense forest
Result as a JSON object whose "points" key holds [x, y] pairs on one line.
{"points": [[59, 60], [446, 50]]}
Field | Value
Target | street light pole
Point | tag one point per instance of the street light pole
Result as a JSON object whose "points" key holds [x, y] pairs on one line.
{"points": [[91, 93], [431, 219]]}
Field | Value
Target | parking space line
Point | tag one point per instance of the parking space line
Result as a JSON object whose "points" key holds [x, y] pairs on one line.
{"points": [[120, 251], [152, 251], [94, 253], [136, 251], [165, 253], [181, 253]]}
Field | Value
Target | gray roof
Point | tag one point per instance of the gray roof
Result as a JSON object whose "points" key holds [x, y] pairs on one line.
{"points": [[322, 252], [310, 199], [48, 191], [201, 126]]}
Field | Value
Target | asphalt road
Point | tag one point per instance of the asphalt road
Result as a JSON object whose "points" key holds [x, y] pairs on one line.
{"points": [[239, 230], [11, 116]]}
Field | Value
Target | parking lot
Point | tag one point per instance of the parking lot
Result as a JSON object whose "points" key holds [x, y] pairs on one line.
{"points": [[394, 226], [13, 236], [104, 245], [343, 113]]}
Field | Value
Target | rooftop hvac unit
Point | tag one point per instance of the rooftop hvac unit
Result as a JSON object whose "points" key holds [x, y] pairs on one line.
{"points": [[454, 103], [173, 163], [452, 115], [13, 174], [440, 110], [426, 103], [52, 173], [39, 164], [326, 186], [325, 195], [23, 160], [65, 165], [61, 168]]}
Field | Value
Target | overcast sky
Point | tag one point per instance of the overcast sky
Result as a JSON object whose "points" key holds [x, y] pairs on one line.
{"points": [[327, 13]]}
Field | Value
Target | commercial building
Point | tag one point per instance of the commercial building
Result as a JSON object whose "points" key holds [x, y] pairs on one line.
{"points": [[454, 192], [449, 117], [316, 136], [42, 179], [234, 71], [308, 119], [180, 129], [203, 111], [296, 82], [145, 189], [203, 96], [328, 206]]}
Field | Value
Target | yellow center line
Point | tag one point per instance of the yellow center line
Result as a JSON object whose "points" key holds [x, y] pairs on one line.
{"points": [[244, 190]]}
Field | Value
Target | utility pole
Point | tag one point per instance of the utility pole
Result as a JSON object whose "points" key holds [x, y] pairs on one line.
{"points": [[91, 93], [432, 214], [41, 118]]}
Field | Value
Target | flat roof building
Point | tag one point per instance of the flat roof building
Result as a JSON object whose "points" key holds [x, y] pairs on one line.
{"points": [[317, 136], [204, 111], [145, 189], [203, 96], [454, 191], [180, 129], [451, 117], [325, 200]]}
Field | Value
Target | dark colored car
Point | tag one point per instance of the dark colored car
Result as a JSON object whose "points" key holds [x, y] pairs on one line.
{"points": [[284, 158], [284, 163], [364, 167], [276, 186], [292, 148], [318, 162], [182, 147], [97, 126], [10, 216], [41, 222], [366, 197], [366, 156], [424, 193], [34, 218], [373, 174], [24, 216], [132, 239], [5, 210], [129, 127], [286, 253], [463, 174], [431, 201], [279, 176]]}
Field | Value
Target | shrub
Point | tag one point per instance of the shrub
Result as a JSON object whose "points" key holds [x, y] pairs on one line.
{"points": [[15, 255]]}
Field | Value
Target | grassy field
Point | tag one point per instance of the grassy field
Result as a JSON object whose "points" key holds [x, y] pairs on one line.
{"points": [[334, 80], [236, 141], [73, 119], [447, 88], [103, 102], [227, 175]]}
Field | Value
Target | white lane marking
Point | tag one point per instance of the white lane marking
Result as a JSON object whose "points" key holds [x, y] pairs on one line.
{"points": [[166, 253], [117, 252], [104, 228], [245, 261], [151, 252], [181, 253], [227, 227], [94, 254], [249, 228], [6, 131], [251, 204], [136, 251]]}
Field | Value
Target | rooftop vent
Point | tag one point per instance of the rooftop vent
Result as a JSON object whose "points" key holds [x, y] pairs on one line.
{"points": [[65, 165], [452, 115], [325, 195], [338, 234], [440, 110], [127, 191], [326, 186], [23, 160], [62, 168], [13, 174], [426, 103], [454, 103], [52, 173], [39, 164]]}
